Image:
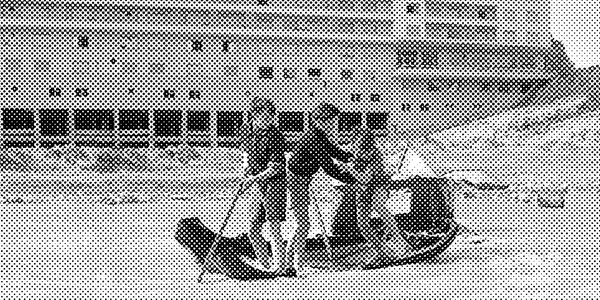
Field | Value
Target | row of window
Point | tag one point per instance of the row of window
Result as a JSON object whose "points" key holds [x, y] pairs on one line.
{"points": [[218, 19], [459, 10], [167, 123]]}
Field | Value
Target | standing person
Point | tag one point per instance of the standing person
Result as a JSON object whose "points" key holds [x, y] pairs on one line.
{"points": [[315, 150], [267, 168], [373, 192]]}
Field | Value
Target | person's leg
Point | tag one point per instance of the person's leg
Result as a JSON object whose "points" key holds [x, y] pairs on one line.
{"points": [[363, 215], [275, 214], [299, 192], [364, 207], [278, 245], [259, 244]]}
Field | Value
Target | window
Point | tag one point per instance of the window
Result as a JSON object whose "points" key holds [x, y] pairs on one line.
{"points": [[94, 119], [291, 121], [377, 121], [198, 121], [134, 120], [168, 122], [18, 144], [375, 97], [265, 72], [347, 74], [163, 145], [83, 41], [314, 72], [228, 123], [412, 8], [196, 45], [349, 121], [95, 144], [134, 144], [408, 58], [18, 119], [430, 58], [54, 122], [225, 46]]}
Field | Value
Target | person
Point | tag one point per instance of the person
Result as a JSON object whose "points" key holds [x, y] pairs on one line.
{"points": [[316, 149], [373, 191], [265, 145]]}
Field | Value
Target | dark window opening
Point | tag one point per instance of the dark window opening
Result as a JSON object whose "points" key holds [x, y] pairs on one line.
{"points": [[134, 144], [375, 97], [377, 121], [408, 58], [228, 144], [229, 123], [348, 121], [54, 122], [168, 122], [196, 45], [52, 144], [83, 41], [200, 144], [18, 119], [94, 119], [347, 74], [134, 119], [198, 121], [163, 145], [314, 72], [19, 144], [225, 46], [291, 121], [95, 144], [430, 58], [265, 72], [412, 8], [355, 97]]}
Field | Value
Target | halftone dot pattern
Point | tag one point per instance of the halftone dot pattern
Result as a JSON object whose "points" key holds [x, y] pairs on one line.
{"points": [[123, 134]]}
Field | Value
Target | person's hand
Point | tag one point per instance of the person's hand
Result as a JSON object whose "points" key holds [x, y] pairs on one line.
{"points": [[346, 168], [246, 183]]}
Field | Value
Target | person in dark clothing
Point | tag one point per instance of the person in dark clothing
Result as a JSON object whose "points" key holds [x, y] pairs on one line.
{"points": [[315, 150], [265, 145]]}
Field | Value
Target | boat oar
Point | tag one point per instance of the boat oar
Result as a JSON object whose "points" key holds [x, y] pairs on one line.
{"points": [[218, 237]]}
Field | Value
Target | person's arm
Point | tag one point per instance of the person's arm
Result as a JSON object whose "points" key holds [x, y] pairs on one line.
{"points": [[334, 171], [362, 177], [336, 152]]}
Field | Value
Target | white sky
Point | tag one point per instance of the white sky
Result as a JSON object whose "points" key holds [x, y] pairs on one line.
{"points": [[577, 24]]}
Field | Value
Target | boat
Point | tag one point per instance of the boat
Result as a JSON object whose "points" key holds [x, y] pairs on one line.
{"points": [[429, 229]]}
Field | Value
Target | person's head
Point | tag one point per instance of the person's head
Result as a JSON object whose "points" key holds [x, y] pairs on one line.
{"points": [[262, 112], [364, 142], [325, 118]]}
